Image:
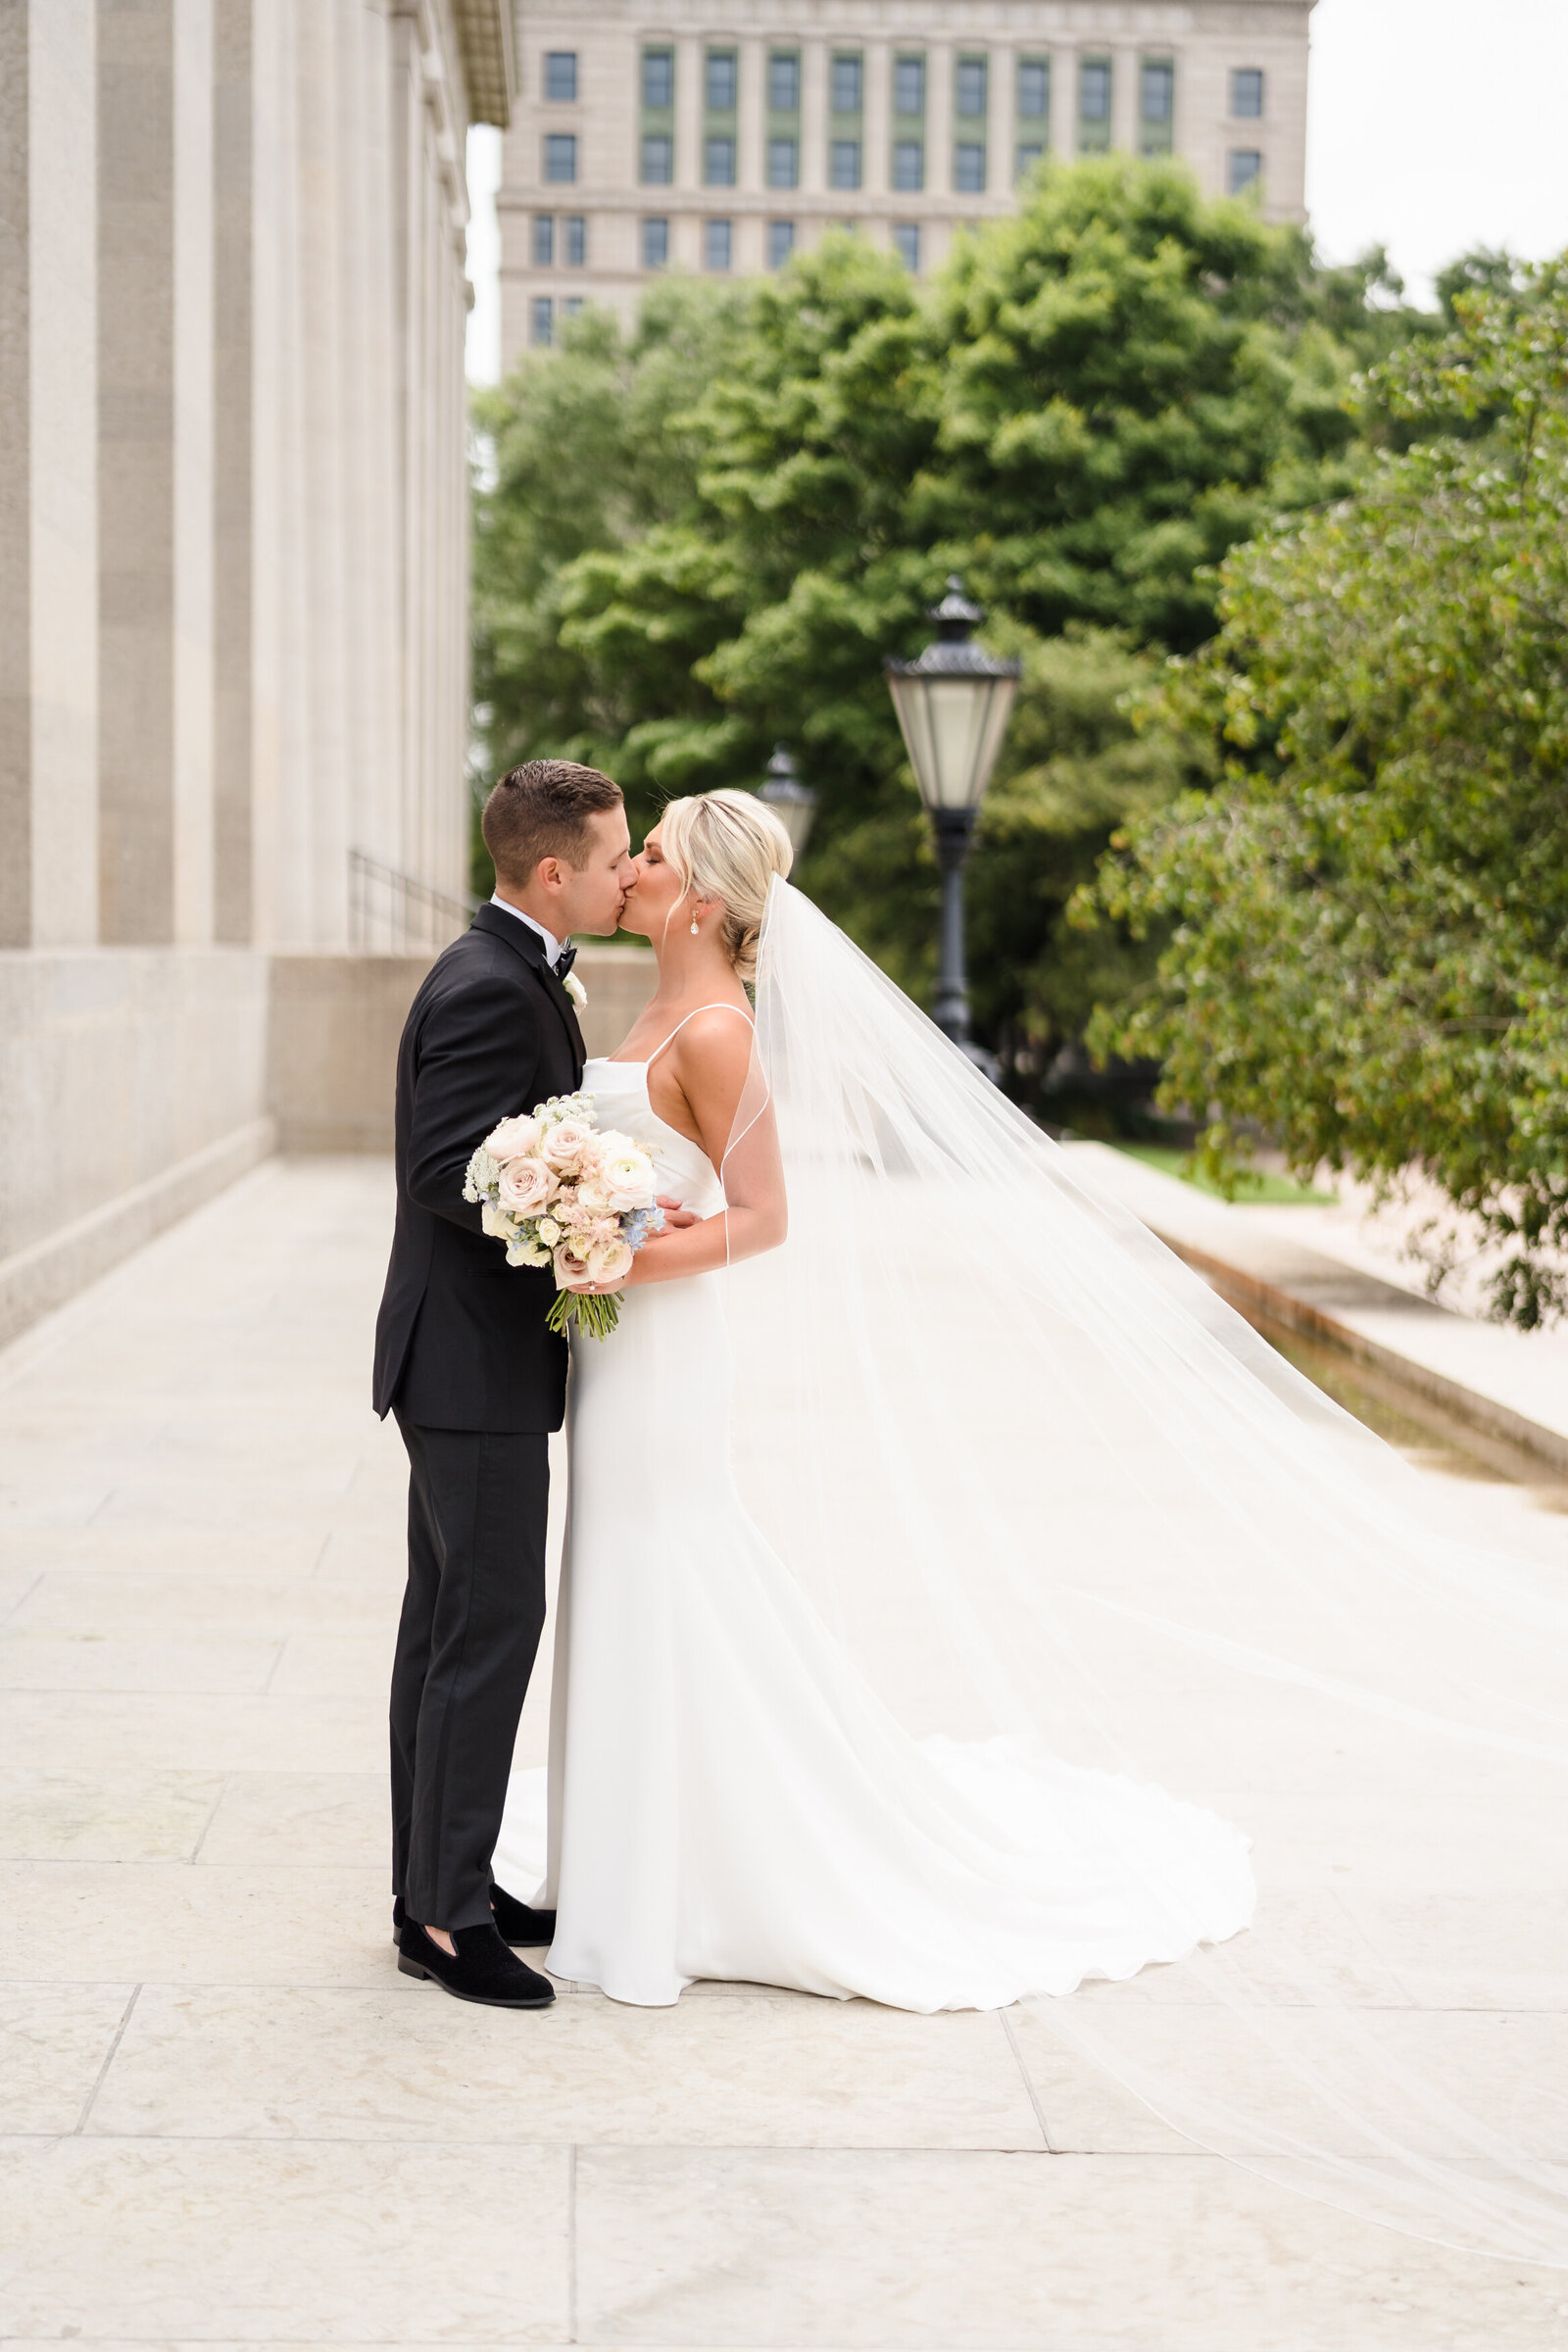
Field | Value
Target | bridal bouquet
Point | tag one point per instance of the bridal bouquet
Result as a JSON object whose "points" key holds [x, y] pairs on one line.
{"points": [[561, 1192]]}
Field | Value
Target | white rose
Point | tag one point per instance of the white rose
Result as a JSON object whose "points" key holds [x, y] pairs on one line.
{"points": [[593, 1196], [497, 1222], [576, 992], [526, 1187], [626, 1175], [549, 1232], [526, 1253], [512, 1138]]}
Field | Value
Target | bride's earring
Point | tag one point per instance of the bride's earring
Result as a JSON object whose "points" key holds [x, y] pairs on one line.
{"points": [[694, 926]]}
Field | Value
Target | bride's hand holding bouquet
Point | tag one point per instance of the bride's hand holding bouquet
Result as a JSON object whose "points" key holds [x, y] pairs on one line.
{"points": [[562, 1192]]}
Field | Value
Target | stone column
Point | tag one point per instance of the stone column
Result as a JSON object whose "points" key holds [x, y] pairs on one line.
{"points": [[48, 476], [234, 390], [1124, 99], [155, 433]]}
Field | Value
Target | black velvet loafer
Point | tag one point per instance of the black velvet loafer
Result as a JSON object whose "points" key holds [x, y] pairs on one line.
{"points": [[480, 1970], [518, 1922]]}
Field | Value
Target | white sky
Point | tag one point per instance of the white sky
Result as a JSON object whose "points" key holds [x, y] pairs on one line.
{"points": [[1434, 126]]}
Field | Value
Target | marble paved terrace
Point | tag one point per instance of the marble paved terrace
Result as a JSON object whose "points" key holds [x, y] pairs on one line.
{"points": [[228, 2121]]}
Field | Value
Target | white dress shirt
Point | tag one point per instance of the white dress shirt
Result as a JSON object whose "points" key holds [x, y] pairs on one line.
{"points": [[553, 945]]}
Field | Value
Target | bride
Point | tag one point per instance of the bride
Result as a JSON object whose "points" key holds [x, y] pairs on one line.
{"points": [[954, 1591]]}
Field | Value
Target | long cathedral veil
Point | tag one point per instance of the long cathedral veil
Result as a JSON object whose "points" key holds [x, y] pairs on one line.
{"points": [[1048, 1488]]}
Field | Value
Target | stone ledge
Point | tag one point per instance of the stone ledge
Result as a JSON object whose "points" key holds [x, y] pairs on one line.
{"points": [[1401, 1339], [43, 1276]]}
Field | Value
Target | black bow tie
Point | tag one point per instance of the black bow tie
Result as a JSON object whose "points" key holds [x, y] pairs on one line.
{"points": [[564, 962]]}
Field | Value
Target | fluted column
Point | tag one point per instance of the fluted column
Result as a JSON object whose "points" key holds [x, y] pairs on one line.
{"points": [[155, 439], [48, 476]]}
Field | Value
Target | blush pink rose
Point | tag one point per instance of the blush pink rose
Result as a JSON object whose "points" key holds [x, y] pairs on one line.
{"points": [[563, 1146], [512, 1139], [609, 1262], [571, 1271], [526, 1187]]}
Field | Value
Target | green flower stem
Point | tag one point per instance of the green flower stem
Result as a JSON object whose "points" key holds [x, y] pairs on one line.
{"points": [[594, 1313]]}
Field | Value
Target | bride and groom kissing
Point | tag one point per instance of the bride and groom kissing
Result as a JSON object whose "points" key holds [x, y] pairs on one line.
{"points": [[728, 1796], [463, 1356]]}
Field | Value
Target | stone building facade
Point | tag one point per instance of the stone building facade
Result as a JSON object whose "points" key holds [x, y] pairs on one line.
{"points": [[233, 564], [721, 135]]}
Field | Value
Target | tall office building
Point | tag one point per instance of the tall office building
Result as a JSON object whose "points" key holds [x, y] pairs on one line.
{"points": [[722, 135]]}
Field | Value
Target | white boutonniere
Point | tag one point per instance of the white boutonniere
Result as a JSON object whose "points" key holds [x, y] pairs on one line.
{"points": [[575, 991]]}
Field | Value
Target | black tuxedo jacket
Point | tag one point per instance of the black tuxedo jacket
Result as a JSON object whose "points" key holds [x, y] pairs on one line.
{"points": [[460, 1340]]}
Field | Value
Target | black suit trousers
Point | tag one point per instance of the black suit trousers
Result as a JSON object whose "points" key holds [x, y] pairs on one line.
{"points": [[473, 1614]]}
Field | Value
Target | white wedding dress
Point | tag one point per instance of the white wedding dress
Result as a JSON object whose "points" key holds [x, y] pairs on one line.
{"points": [[727, 1795], [940, 1587]]}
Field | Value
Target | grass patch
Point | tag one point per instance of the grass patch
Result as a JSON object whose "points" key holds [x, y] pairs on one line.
{"points": [[1255, 1184]]}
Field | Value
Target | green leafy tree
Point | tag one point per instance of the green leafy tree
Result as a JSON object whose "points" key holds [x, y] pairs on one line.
{"points": [[1366, 923], [584, 450], [1100, 397]]}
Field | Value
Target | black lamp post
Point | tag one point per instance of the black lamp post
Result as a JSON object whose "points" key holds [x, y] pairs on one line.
{"points": [[792, 803], [953, 704]]}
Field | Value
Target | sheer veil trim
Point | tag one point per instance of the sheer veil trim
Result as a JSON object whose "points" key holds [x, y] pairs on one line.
{"points": [[1047, 1487]]}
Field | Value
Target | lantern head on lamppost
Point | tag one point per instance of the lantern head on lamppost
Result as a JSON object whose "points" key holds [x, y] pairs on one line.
{"points": [[953, 704], [792, 803]]}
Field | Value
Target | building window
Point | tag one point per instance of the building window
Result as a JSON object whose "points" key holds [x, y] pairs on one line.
{"points": [[719, 82], [848, 81], [783, 163], [1029, 153], [1156, 105], [1158, 89], [906, 243], [784, 85], [541, 321], [718, 239], [1244, 170], [780, 243], [658, 80], [969, 168], [1093, 105], [544, 241], [561, 75], [970, 86], [1247, 93], [908, 86], [572, 308], [1034, 88], [655, 244], [560, 157], [843, 163], [577, 241], [658, 159], [718, 163], [908, 166]]}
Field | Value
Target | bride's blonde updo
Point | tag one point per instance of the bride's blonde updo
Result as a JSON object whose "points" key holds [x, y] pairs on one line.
{"points": [[728, 846]]}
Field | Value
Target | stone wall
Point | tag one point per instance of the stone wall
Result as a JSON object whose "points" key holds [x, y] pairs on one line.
{"points": [[233, 566], [334, 1026], [134, 1086]]}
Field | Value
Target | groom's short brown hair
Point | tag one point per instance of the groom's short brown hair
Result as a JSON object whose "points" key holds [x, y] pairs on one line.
{"points": [[541, 809]]}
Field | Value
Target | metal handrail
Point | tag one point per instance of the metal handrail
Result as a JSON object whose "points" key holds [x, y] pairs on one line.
{"points": [[393, 913]]}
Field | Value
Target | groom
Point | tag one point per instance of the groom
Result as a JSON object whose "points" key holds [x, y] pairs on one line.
{"points": [[478, 1382]]}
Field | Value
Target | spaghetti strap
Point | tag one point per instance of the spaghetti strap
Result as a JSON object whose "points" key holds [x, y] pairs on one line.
{"points": [[691, 1016]]}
